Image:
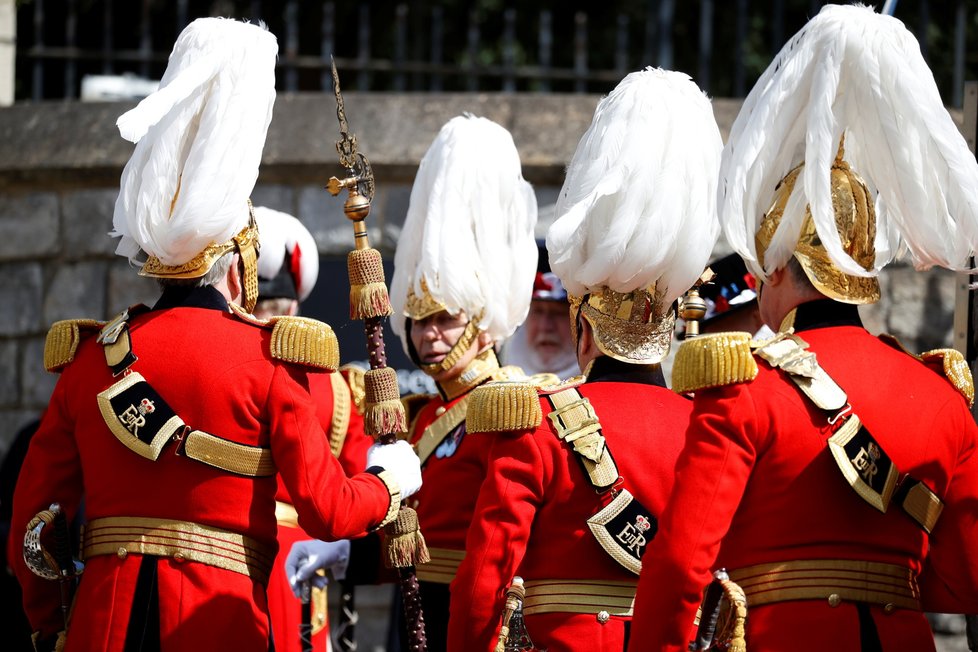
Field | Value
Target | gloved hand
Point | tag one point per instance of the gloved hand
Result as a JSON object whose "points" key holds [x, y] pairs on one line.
{"points": [[400, 459], [307, 557]]}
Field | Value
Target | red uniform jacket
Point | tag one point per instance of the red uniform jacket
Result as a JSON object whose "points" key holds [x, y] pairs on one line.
{"points": [[216, 372], [285, 609], [452, 473], [532, 511], [756, 484]]}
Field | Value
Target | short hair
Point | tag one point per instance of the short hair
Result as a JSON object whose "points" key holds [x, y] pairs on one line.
{"points": [[798, 273]]}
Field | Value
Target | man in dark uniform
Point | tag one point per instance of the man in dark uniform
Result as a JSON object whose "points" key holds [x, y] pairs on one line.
{"points": [[579, 472], [832, 474], [173, 421]]}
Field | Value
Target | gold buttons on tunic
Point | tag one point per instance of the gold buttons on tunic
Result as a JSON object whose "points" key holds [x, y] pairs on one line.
{"points": [[603, 616], [179, 556], [889, 607], [122, 552], [834, 600], [440, 411]]}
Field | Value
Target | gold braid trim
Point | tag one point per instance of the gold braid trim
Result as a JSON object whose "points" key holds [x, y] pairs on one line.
{"points": [[503, 406], [713, 360], [342, 405], [63, 339], [955, 368], [394, 490], [305, 341], [354, 378]]}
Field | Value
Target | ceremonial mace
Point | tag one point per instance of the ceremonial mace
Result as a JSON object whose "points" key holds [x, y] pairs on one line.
{"points": [[383, 414]]}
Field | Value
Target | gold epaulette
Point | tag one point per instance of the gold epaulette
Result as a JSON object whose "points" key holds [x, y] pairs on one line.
{"points": [[953, 365], [63, 340], [298, 340], [949, 362], [305, 341], [503, 406], [713, 360], [354, 378]]}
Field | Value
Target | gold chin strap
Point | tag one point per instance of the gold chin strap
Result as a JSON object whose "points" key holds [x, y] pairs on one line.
{"points": [[248, 247], [463, 344]]}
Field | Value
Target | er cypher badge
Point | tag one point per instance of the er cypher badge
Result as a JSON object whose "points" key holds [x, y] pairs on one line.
{"points": [[138, 416]]}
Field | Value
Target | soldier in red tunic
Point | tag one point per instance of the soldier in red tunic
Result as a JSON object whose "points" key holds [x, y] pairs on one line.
{"points": [[579, 472], [463, 275], [287, 272], [832, 474], [173, 422]]}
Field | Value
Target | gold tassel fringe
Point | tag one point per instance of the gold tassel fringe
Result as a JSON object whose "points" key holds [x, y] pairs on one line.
{"points": [[383, 411], [405, 545], [368, 290], [384, 418]]}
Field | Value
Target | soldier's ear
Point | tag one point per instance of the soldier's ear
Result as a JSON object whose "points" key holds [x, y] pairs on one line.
{"points": [[485, 340], [234, 276]]}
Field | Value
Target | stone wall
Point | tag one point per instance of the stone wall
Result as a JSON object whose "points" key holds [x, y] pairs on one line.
{"points": [[60, 165]]}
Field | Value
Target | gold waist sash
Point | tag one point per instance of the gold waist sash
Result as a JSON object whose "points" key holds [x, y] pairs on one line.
{"points": [[180, 540], [834, 580], [442, 567], [580, 597]]}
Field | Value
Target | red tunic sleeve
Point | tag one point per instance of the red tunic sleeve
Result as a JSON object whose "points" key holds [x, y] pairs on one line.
{"points": [[949, 582], [517, 476], [315, 480], [711, 475]]}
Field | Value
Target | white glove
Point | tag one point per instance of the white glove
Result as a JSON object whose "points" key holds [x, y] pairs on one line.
{"points": [[307, 557], [400, 459]]}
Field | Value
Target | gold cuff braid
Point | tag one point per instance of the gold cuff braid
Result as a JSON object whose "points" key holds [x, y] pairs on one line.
{"points": [[394, 490]]}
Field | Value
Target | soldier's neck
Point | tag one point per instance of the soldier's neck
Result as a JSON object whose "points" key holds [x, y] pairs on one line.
{"points": [[482, 366]]}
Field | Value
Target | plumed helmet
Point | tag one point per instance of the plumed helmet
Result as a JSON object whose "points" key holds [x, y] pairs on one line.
{"points": [[636, 217], [289, 263], [467, 242], [843, 155]]}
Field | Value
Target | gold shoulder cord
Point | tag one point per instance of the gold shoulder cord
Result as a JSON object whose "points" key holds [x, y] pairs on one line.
{"points": [[623, 527], [342, 406]]}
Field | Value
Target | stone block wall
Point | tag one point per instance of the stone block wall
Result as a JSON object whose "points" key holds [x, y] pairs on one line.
{"points": [[59, 171]]}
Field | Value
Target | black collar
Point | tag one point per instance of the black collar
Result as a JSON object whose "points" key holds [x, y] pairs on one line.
{"points": [[191, 297], [824, 313], [607, 369]]}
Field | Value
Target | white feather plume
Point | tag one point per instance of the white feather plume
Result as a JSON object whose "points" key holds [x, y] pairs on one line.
{"points": [[469, 229], [638, 204], [852, 71], [200, 139], [279, 233]]}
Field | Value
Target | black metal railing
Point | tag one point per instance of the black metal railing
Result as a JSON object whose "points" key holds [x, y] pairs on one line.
{"points": [[439, 46]]}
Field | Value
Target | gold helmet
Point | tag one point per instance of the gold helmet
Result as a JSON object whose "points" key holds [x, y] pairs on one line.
{"points": [[843, 155], [855, 220], [636, 218], [184, 193]]}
